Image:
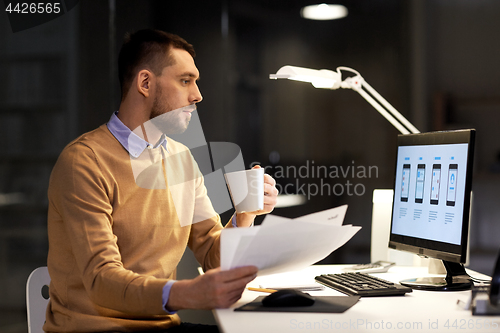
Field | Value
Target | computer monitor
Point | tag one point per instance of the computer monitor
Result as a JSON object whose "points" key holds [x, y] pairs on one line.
{"points": [[432, 192]]}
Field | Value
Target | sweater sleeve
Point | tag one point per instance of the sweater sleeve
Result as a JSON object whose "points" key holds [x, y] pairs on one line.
{"points": [[204, 238], [80, 193]]}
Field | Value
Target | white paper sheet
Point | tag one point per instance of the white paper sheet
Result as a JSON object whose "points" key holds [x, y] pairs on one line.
{"points": [[280, 244], [333, 216]]}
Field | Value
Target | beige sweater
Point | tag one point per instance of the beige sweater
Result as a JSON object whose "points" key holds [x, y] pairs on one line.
{"points": [[113, 244]]}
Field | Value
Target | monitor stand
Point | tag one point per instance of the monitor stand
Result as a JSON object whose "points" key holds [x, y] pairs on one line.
{"points": [[456, 279]]}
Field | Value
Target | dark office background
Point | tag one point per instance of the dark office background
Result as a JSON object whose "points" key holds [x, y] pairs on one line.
{"points": [[436, 61]]}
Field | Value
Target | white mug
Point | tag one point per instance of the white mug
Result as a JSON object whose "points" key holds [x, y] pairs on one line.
{"points": [[246, 189]]}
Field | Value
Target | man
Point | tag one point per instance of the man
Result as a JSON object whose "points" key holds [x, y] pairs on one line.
{"points": [[114, 244]]}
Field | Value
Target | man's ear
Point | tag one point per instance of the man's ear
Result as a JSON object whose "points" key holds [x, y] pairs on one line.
{"points": [[144, 82]]}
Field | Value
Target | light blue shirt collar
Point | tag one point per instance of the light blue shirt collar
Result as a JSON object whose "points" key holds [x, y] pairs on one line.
{"points": [[128, 139]]}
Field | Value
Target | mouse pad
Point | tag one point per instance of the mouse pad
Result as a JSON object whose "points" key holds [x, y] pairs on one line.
{"points": [[322, 304]]}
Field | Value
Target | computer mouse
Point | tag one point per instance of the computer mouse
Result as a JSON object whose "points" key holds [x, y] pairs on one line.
{"points": [[288, 297]]}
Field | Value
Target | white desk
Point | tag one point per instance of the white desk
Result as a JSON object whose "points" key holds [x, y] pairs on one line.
{"points": [[419, 311]]}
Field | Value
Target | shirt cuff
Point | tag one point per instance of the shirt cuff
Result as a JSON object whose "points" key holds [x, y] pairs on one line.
{"points": [[235, 225], [166, 295]]}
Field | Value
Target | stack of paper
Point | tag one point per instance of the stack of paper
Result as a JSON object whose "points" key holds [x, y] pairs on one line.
{"points": [[281, 244]]}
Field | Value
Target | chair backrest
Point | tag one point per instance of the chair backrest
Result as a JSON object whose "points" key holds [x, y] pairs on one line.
{"points": [[37, 298]]}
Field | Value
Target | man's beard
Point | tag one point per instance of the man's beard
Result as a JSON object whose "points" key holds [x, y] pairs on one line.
{"points": [[167, 120]]}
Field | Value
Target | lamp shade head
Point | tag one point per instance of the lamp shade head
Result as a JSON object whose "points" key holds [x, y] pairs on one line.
{"points": [[322, 78]]}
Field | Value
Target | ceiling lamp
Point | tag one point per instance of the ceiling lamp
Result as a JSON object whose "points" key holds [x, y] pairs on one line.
{"points": [[323, 12]]}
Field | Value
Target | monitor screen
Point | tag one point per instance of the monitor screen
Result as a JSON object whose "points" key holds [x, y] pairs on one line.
{"points": [[432, 187]]}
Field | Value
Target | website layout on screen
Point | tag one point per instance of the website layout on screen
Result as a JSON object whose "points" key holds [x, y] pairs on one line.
{"points": [[429, 192]]}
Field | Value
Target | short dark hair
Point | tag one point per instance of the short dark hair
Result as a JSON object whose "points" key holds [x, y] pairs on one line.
{"points": [[146, 49]]}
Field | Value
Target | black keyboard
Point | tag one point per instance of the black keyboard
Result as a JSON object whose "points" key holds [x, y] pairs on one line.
{"points": [[362, 284]]}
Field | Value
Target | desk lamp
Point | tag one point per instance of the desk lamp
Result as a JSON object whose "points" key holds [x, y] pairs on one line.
{"points": [[328, 79]]}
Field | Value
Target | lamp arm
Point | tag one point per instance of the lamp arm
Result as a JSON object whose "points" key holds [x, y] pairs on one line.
{"points": [[357, 83], [383, 112], [389, 107]]}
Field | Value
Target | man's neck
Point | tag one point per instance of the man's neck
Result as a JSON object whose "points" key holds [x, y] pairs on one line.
{"points": [[135, 117]]}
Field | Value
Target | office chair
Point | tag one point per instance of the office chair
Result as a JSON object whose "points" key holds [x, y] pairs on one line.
{"points": [[37, 298]]}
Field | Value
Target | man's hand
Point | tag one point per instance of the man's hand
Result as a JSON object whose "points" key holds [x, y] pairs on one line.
{"points": [[212, 290], [270, 199]]}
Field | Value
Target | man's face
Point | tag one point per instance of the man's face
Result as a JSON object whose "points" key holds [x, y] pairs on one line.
{"points": [[176, 93]]}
